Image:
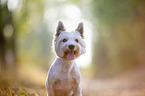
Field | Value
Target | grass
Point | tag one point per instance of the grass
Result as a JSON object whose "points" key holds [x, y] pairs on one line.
{"points": [[31, 82], [27, 81], [12, 88]]}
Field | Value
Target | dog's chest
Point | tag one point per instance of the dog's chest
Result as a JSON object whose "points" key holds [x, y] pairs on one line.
{"points": [[66, 81]]}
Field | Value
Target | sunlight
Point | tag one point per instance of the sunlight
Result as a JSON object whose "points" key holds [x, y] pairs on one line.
{"points": [[71, 16], [12, 4], [72, 11], [85, 60], [2, 2], [74, 14]]}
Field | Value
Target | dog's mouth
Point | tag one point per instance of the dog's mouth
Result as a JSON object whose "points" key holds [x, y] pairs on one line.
{"points": [[70, 55]]}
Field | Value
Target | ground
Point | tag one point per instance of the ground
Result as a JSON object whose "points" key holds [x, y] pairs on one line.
{"points": [[131, 83]]}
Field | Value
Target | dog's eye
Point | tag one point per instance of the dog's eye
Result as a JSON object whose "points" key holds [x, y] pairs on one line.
{"points": [[64, 40], [76, 40]]}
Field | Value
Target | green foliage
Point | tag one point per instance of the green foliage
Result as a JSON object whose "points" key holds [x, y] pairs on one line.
{"points": [[121, 32], [113, 11], [33, 37]]}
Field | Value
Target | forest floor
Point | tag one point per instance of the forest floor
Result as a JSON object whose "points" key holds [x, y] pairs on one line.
{"points": [[131, 83]]}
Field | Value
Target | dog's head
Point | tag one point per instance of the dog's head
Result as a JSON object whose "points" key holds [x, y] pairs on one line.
{"points": [[69, 45]]}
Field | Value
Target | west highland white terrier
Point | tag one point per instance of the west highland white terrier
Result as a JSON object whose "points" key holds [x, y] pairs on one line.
{"points": [[64, 76]]}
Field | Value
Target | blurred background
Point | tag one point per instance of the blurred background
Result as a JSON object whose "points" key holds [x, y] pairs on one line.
{"points": [[114, 64]]}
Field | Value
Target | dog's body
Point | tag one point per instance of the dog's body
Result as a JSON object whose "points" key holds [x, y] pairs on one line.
{"points": [[64, 76]]}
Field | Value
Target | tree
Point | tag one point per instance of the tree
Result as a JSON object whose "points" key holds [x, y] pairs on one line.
{"points": [[121, 36], [7, 38]]}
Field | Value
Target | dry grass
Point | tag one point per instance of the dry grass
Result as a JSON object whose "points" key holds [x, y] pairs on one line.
{"points": [[131, 83], [9, 88]]}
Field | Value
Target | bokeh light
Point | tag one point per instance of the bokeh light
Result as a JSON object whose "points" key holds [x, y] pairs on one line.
{"points": [[114, 32]]}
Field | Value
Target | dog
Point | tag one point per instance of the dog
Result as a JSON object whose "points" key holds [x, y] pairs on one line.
{"points": [[64, 76]]}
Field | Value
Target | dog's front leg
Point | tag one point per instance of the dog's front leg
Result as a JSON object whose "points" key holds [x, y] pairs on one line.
{"points": [[50, 90], [49, 87], [77, 90]]}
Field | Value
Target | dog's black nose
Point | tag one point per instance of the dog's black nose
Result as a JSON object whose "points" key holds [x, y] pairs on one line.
{"points": [[71, 47]]}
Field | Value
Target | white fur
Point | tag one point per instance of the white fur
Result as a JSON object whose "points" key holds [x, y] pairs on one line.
{"points": [[71, 36], [64, 76]]}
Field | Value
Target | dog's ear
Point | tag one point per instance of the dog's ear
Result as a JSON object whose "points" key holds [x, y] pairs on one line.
{"points": [[60, 28], [80, 29]]}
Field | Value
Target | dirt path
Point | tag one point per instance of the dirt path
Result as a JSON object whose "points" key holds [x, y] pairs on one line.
{"points": [[129, 84]]}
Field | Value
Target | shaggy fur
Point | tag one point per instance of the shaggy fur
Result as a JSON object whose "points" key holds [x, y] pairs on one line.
{"points": [[64, 76]]}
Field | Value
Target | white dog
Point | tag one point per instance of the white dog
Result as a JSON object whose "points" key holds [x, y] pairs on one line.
{"points": [[64, 76]]}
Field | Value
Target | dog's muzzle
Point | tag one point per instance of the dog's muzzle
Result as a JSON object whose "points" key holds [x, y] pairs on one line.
{"points": [[70, 54]]}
